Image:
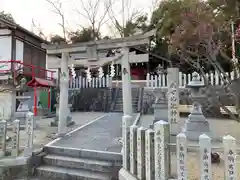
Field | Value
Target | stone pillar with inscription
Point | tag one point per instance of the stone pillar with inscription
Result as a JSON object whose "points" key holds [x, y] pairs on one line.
{"points": [[173, 99], [126, 123], [182, 156], [161, 150], [133, 149], [29, 131], [141, 153], [230, 157], [149, 154], [205, 157], [15, 140], [3, 134]]}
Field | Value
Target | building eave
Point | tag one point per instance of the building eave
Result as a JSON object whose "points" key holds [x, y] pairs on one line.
{"points": [[14, 26]]}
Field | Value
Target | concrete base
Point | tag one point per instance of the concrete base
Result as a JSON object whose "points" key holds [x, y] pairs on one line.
{"points": [[125, 175], [54, 123], [194, 129], [70, 122], [196, 124]]}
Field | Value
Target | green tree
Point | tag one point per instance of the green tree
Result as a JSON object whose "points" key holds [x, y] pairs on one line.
{"points": [[198, 35], [136, 24], [56, 39], [6, 16], [84, 35]]}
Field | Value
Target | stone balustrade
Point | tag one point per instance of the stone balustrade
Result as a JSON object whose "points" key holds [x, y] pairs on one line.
{"points": [[14, 143], [146, 153]]}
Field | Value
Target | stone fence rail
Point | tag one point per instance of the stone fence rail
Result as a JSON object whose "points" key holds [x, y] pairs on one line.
{"points": [[151, 81], [15, 145], [146, 153]]}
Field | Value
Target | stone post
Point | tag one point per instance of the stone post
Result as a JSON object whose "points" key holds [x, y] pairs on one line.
{"points": [[29, 131], [126, 123], [141, 153], [149, 154], [126, 83], [205, 157], [63, 101], [173, 98], [15, 141], [230, 157], [182, 156], [133, 149], [3, 134], [161, 150]]}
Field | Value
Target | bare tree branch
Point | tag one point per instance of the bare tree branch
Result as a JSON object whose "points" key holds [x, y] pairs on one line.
{"points": [[90, 11], [57, 9], [36, 26]]}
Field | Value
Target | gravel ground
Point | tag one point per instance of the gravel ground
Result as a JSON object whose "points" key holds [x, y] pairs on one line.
{"points": [[220, 128], [194, 167], [45, 133]]}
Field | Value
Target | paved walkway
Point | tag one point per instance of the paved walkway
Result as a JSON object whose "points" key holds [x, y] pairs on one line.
{"points": [[101, 135]]}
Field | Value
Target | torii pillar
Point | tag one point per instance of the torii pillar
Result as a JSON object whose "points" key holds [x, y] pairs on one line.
{"points": [[63, 99], [126, 83]]}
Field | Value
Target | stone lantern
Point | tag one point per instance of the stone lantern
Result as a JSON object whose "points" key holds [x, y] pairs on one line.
{"points": [[196, 124]]}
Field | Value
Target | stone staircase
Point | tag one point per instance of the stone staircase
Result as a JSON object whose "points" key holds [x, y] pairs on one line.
{"points": [[77, 164], [119, 100]]}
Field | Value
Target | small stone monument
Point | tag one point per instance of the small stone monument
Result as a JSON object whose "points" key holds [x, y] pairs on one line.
{"points": [[160, 105], [23, 108], [196, 124]]}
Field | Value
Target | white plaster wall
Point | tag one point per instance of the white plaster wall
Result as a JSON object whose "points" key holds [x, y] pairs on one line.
{"points": [[5, 52], [19, 53], [19, 50]]}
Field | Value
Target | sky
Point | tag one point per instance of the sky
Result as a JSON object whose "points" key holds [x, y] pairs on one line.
{"points": [[24, 11]]}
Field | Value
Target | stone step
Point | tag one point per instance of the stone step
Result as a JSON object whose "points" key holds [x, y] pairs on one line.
{"points": [[121, 99], [121, 103], [53, 172], [78, 163], [82, 153]]}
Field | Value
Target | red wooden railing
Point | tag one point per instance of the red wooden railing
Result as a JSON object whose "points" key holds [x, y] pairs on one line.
{"points": [[28, 69]]}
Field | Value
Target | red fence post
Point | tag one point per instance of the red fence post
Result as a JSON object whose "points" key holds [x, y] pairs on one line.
{"points": [[35, 101]]}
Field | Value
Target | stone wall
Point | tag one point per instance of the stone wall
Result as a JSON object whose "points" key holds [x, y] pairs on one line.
{"points": [[91, 99], [209, 105]]}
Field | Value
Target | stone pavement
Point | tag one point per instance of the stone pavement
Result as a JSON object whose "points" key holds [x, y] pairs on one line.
{"points": [[44, 133], [102, 135]]}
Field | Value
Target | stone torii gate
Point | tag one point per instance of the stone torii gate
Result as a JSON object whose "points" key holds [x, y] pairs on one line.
{"points": [[70, 54]]}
